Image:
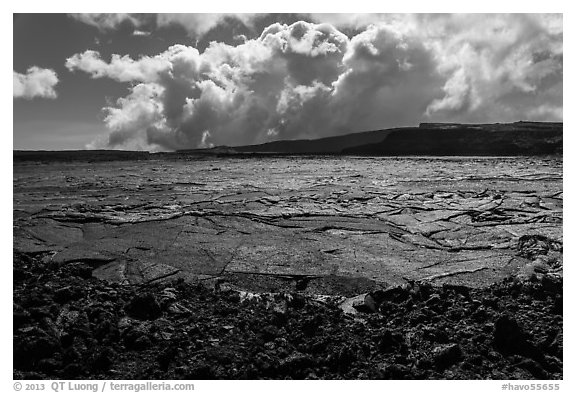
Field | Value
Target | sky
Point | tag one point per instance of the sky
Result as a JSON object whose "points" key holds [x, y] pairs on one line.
{"points": [[162, 82]]}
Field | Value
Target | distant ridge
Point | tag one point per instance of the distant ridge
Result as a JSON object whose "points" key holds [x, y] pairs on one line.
{"points": [[494, 126], [428, 139], [500, 139], [435, 139]]}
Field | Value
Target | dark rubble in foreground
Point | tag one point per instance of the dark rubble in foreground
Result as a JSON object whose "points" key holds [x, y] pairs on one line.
{"points": [[70, 325]]}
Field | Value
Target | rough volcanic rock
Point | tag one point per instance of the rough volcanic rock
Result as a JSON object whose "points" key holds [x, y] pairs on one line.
{"points": [[432, 334], [510, 338], [447, 355], [143, 306]]}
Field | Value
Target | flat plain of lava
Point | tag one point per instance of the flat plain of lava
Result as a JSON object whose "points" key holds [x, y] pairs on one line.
{"points": [[199, 267]]}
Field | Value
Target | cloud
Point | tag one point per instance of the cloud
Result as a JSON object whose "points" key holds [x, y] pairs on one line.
{"points": [[495, 65], [199, 24], [135, 115], [309, 80], [501, 66], [361, 21], [195, 24], [141, 33], [106, 22], [389, 80], [37, 82], [120, 68]]}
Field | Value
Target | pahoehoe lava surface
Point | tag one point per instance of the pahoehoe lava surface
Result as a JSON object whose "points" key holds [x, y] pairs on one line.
{"points": [[301, 267]]}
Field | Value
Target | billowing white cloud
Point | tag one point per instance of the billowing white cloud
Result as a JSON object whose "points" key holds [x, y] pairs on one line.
{"points": [[309, 80], [37, 82], [494, 66], [499, 66], [120, 68], [135, 115]]}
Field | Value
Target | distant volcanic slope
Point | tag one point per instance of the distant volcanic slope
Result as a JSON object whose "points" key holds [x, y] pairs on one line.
{"points": [[520, 138], [330, 145], [434, 139]]}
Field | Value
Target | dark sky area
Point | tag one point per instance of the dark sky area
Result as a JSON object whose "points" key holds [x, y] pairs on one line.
{"points": [[168, 81]]}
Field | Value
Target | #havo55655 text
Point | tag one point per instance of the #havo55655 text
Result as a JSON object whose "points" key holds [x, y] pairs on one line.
{"points": [[530, 386]]}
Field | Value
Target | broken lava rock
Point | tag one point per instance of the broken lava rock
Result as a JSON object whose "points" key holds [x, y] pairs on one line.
{"points": [[144, 307], [365, 303], [447, 355], [510, 338]]}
